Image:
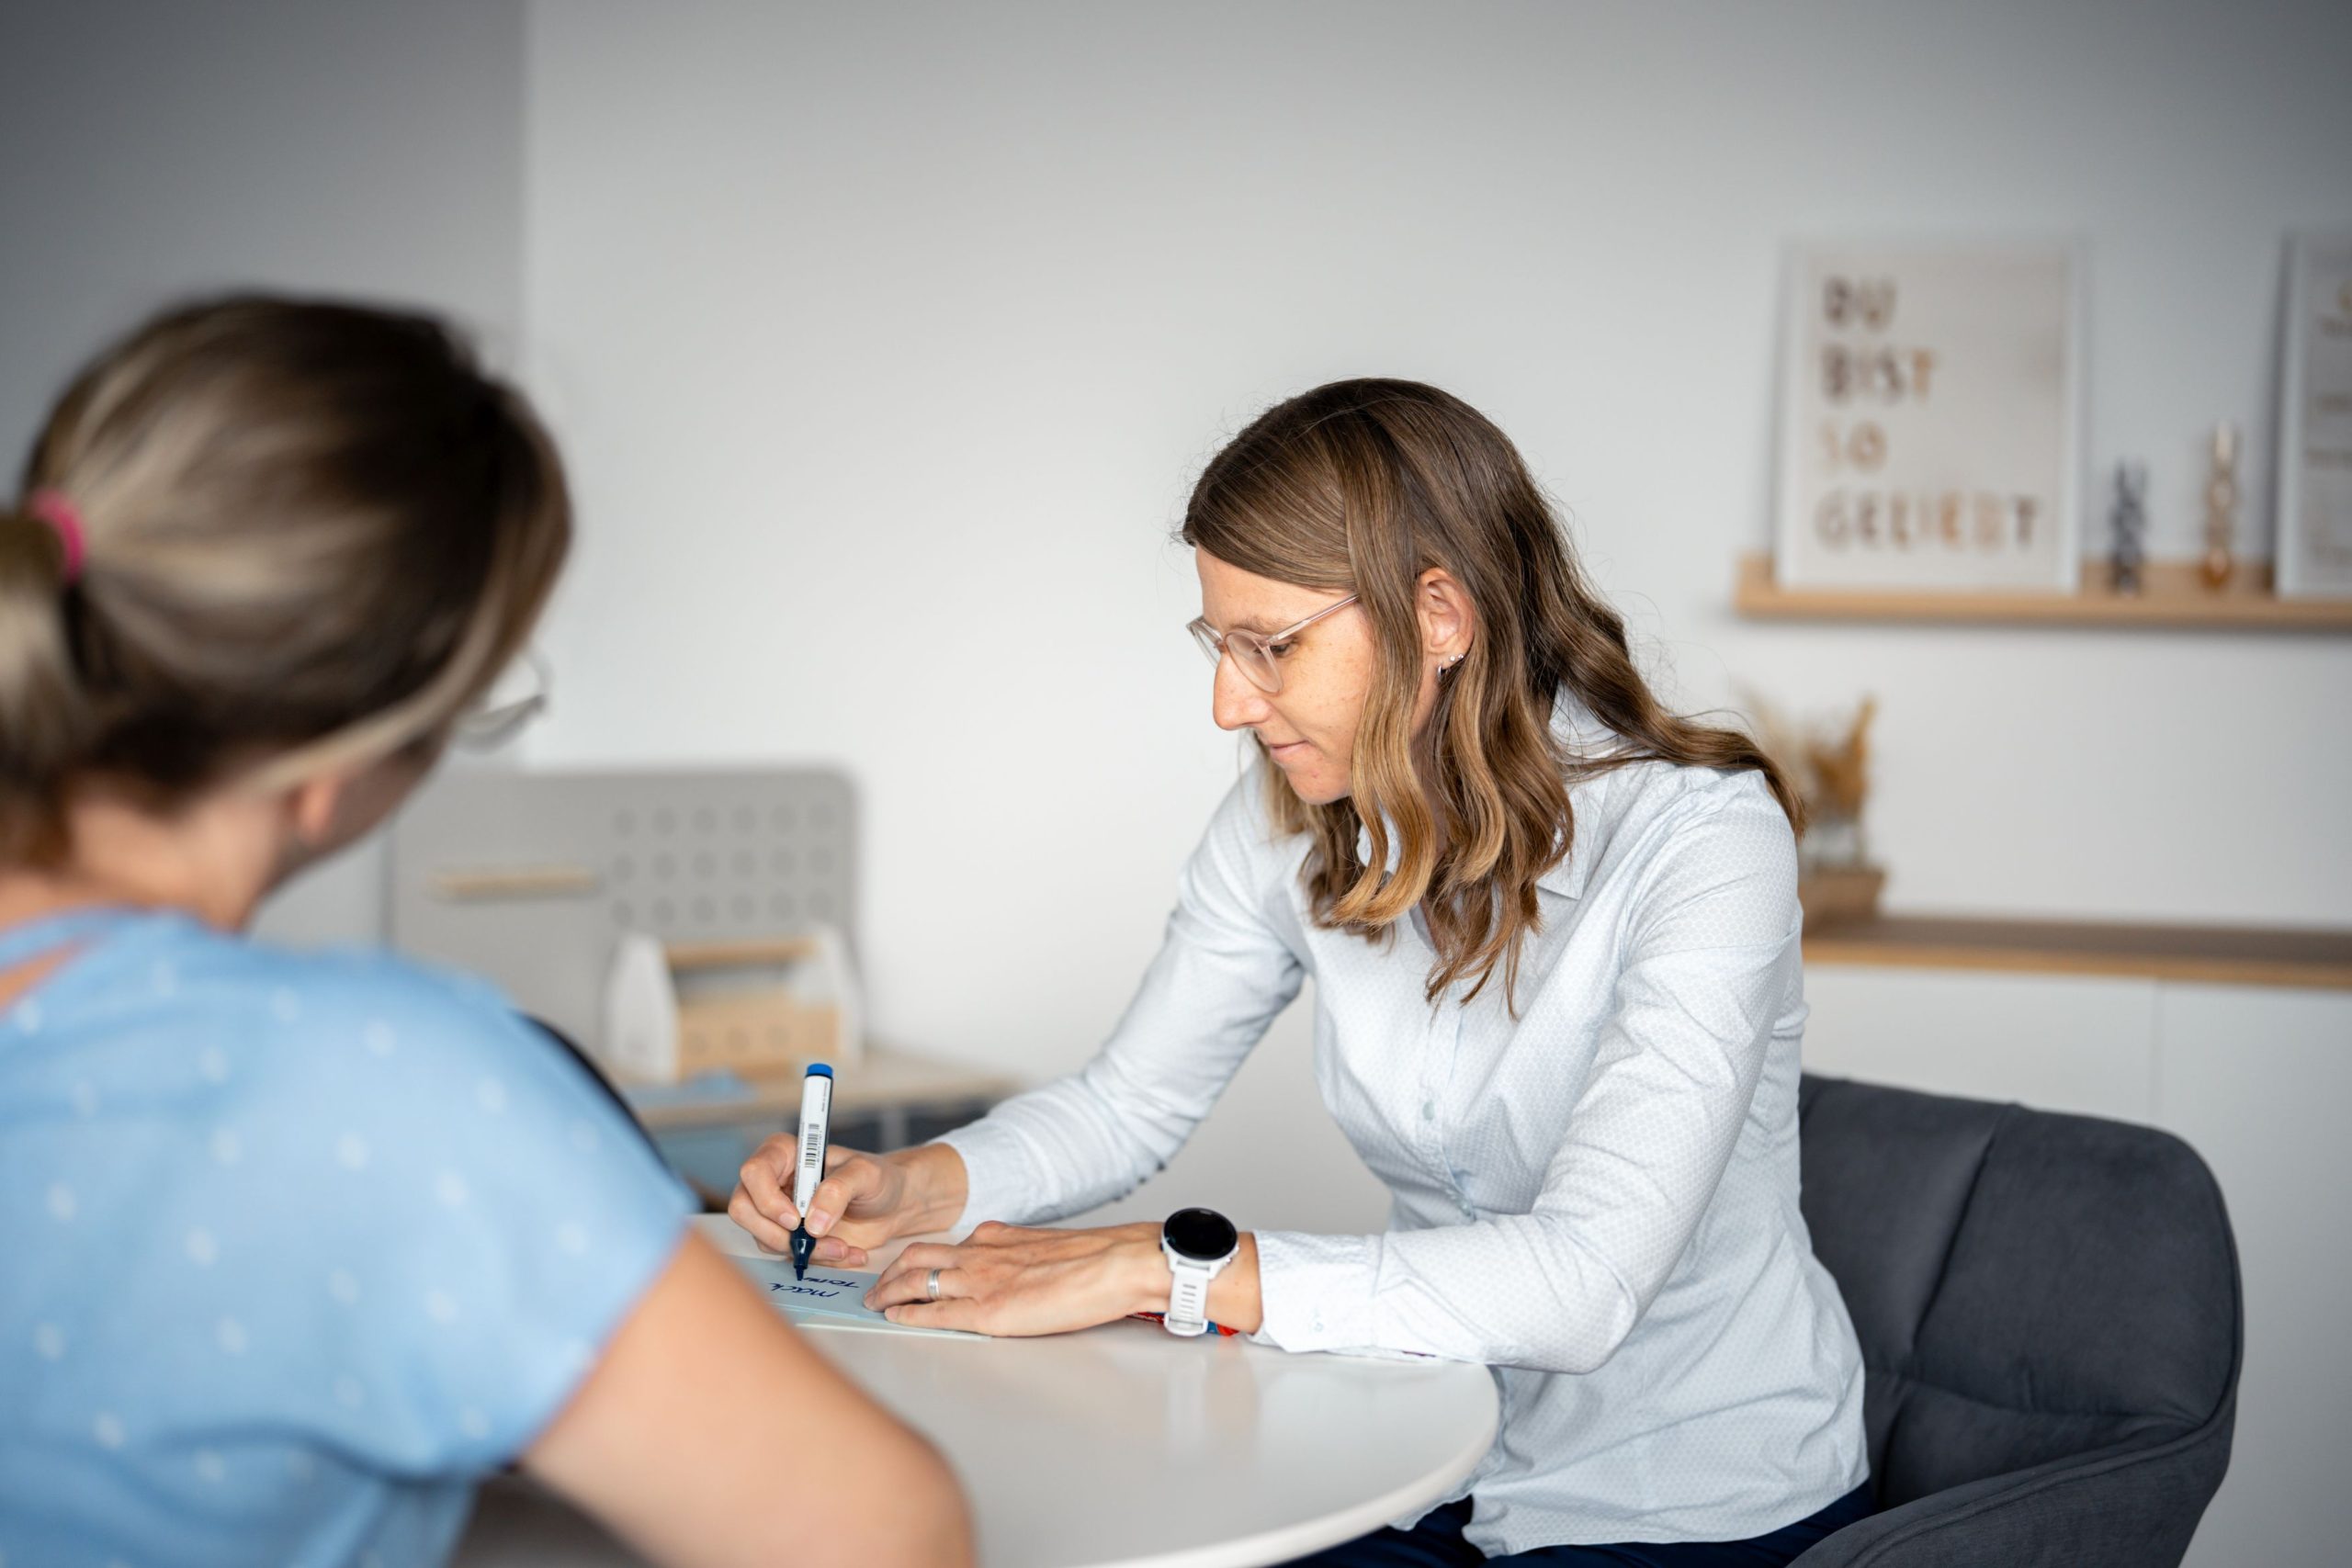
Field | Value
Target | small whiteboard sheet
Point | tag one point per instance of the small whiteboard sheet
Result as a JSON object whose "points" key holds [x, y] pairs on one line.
{"points": [[827, 1298]]}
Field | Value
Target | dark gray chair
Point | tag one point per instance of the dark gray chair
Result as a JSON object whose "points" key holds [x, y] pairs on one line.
{"points": [[2050, 1327]]}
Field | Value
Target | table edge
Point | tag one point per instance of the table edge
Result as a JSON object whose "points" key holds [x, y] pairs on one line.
{"points": [[1282, 1545]]}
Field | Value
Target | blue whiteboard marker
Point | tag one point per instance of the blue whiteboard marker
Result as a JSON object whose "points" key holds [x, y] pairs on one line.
{"points": [[816, 1107]]}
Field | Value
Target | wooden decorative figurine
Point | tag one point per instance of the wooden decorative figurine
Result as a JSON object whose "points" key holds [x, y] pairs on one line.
{"points": [[2129, 520], [2221, 508]]}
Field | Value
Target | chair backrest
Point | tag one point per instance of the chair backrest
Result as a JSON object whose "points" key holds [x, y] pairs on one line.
{"points": [[2026, 1286]]}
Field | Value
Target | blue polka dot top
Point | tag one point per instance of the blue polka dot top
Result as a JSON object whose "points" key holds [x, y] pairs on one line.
{"points": [[293, 1247]]}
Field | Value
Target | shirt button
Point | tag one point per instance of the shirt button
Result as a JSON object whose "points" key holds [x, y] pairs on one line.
{"points": [[1429, 1111]]}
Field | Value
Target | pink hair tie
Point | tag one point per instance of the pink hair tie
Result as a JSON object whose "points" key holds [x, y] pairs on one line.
{"points": [[60, 513]]}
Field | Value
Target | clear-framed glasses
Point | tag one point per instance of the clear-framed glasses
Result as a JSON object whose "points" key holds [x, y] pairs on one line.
{"points": [[517, 698], [1254, 653]]}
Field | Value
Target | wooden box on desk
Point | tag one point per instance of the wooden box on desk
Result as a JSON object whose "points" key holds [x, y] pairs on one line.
{"points": [[762, 1009]]}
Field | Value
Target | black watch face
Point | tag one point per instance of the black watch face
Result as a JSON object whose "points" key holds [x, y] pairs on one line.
{"points": [[1203, 1235]]}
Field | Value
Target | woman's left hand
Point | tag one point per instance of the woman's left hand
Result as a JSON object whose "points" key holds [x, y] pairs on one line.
{"points": [[1013, 1280]]}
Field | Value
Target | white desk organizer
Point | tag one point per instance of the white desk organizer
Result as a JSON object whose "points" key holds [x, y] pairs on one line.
{"points": [[757, 1009], [534, 879]]}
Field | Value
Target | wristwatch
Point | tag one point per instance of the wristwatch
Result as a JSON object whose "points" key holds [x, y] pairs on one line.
{"points": [[1198, 1243]]}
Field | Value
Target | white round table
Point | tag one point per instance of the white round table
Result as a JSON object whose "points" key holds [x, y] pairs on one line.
{"points": [[1125, 1445]]}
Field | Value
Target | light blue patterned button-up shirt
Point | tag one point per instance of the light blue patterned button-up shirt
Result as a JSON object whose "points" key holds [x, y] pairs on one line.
{"points": [[1597, 1198]]}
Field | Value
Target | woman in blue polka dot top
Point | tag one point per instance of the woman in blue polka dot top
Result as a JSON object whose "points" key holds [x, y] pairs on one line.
{"points": [[297, 1247]]}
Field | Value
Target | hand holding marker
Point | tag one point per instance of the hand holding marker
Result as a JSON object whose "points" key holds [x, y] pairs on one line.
{"points": [[816, 1107]]}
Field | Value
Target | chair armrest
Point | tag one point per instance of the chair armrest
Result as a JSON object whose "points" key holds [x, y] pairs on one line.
{"points": [[2128, 1505]]}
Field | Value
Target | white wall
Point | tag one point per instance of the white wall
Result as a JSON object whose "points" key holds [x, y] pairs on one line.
{"points": [[157, 151], [885, 340]]}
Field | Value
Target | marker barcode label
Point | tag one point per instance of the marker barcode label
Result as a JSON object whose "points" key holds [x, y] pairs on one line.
{"points": [[816, 1099]]}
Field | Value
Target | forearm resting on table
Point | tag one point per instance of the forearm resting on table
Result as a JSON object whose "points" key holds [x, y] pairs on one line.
{"points": [[936, 1189], [937, 1186], [1234, 1301], [709, 1436]]}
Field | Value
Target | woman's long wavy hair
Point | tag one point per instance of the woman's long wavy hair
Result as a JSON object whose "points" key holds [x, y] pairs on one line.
{"points": [[1360, 487]]}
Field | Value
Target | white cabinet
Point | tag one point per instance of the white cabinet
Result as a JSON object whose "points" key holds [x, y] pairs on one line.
{"points": [[2258, 1079], [2054, 1042], [2260, 1082]]}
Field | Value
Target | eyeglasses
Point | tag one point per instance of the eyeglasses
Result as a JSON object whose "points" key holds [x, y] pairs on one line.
{"points": [[517, 698], [1253, 654]]}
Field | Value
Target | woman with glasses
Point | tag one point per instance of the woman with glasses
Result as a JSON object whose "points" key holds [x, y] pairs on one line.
{"points": [[295, 1249], [1553, 932]]}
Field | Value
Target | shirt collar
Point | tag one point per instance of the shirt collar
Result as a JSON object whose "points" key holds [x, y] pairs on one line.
{"points": [[1580, 734]]}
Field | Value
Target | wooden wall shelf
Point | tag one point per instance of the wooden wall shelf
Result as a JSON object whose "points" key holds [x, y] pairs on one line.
{"points": [[2246, 955], [2174, 596]]}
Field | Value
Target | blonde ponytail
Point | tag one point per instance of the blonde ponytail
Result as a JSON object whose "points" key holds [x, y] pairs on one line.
{"points": [[43, 716], [312, 530]]}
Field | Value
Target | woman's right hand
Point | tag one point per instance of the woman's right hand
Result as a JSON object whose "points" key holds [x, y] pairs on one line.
{"points": [[864, 1200]]}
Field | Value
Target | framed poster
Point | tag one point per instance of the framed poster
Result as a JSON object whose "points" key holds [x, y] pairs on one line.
{"points": [[1930, 418], [2315, 421]]}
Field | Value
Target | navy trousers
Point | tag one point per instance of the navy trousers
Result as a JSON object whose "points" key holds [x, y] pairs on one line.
{"points": [[1436, 1542]]}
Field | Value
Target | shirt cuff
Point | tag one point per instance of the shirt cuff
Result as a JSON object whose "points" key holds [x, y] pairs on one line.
{"points": [[1315, 1291], [998, 1184]]}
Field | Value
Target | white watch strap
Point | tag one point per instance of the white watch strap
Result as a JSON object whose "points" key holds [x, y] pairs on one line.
{"points": [[1188, 1302]]}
